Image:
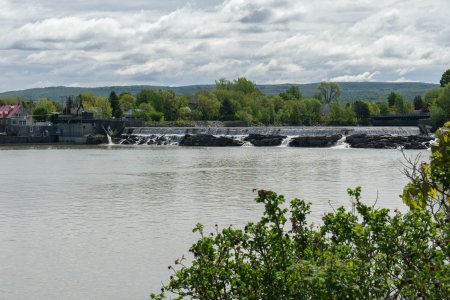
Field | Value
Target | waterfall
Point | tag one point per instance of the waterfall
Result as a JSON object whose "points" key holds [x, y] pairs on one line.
{"points": [[287, 131], [174, 135], [110, 142], [286, 141], [341, 143]]}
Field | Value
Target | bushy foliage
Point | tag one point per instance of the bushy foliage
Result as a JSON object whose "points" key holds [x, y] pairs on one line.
{"points": [[445, 78], [364, 253], [44, 108], [439, 102]]}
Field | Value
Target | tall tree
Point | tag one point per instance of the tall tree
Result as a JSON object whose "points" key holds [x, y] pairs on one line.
{"points": [[115, 105], [418, 102], [392, 97], [329, 91], [445, 79], [362, 111], [245, 86], [293, 93]]}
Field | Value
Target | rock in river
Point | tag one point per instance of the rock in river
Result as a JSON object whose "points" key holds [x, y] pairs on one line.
{"points": [[208, 141], [315, 141], [265, 140]]}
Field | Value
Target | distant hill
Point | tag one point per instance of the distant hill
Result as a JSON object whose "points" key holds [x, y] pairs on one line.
{"points": [[352, 90]]}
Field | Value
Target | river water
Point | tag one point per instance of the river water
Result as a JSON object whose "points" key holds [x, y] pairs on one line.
{"points": [[105, 222]]}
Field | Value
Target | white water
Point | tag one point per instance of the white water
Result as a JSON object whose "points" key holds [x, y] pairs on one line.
{"points": [[287, 131], [341, 143]]}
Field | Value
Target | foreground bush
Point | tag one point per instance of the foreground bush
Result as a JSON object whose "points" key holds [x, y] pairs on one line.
{"points": [[365, 253]]}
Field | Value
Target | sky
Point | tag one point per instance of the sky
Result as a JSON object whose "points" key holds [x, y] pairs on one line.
{"points": [[171, 42]]}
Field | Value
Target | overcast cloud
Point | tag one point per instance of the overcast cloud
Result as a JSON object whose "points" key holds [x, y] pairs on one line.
{"points": [[172, 42]]}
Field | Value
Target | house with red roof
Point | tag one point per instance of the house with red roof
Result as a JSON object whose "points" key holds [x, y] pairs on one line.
{"points": [[13, 115]]}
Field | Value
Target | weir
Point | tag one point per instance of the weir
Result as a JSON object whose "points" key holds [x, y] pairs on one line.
{"points": [[287, 131], [336, 137]]}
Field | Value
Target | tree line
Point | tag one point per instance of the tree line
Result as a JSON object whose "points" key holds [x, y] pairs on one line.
{"points": [[241, 100]]}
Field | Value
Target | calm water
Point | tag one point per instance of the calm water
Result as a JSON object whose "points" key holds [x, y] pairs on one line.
{"points": [[104, 223]]}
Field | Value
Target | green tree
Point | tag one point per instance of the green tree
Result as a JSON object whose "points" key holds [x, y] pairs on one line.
{"points": [[362, 111], [115, 105], [418, 103], [43, 109], [445, 79], [127, 102], [440, 109], [223, 84], [100, 106], [392, 98], [383, 107], [401, 105], [155, 98], [341, 115], [293, 93], [245, 86], [329, 91], [208, 105], [147, 112], [430, 182]]}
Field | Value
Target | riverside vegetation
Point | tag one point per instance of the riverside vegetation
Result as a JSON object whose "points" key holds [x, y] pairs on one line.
{"points": [[241, 100], [362, 253]]}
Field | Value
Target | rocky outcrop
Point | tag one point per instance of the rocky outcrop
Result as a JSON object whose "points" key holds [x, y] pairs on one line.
{"points": [[208, 140], [320, 141], [143, 140], [388, 141], [96, 139], [265, 140]]}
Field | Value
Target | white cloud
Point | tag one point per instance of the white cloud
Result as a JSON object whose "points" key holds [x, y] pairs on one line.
{"points": [[268, 41], [363, 77]]}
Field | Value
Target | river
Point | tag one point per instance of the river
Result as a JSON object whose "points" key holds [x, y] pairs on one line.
{"points": [[105, 222]]}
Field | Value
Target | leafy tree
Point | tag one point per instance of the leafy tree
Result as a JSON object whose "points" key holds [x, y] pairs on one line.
{"points": [[401, 105], [430, 182], [228, 109], [43, 110], [127, 101], [293, 93], [365, 253], [341, 115], [147, 112], [100, 106], [244, 86], [329, 91], [418, 103], [393, 97], [445, 79], [115, 105], [362, 111], [383, 107], [41, 114], [223, 84], [208, 105], [184, 112], [11, 100], [155, 98], [172, 104], [440, 109], [430, 97]]}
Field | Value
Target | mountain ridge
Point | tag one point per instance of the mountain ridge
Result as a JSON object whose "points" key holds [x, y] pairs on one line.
{"points": [[352, 91]]}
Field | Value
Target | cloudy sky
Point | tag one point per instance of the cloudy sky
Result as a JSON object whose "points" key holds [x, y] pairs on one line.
{"points": [[173, 42]]}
